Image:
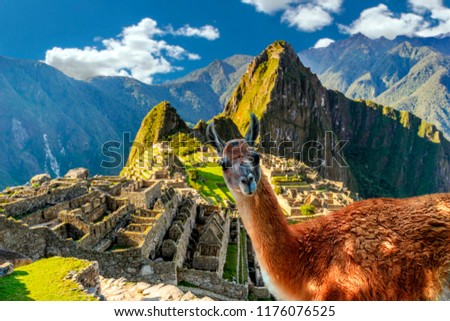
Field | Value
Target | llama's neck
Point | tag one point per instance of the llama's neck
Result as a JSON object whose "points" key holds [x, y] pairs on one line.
{"points": [[263, 218], [274, 243]]}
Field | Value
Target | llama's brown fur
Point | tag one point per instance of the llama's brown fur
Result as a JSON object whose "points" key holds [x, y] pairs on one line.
{"points": [[378, 249]]}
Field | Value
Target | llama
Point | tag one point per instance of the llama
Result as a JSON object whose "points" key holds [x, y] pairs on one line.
{"points": [[376, 249]]}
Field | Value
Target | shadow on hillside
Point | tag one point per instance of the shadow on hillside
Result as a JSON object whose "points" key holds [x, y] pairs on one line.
{"points": [[12, 289]]}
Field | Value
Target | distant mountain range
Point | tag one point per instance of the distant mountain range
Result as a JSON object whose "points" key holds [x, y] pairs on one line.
{"points": [[411, 74], [50, 122]]}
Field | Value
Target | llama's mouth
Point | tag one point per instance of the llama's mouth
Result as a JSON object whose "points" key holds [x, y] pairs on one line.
{"points": [[248, 189]]}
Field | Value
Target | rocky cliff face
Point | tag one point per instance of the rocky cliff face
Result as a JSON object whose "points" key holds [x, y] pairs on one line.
{"points": [[161, 122], [388, 153]]}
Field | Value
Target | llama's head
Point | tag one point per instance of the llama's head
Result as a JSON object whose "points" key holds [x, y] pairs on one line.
{"points": [[239, 160]]}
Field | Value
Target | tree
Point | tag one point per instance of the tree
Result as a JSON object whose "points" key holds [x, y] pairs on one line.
{"points": [[193, 174]]}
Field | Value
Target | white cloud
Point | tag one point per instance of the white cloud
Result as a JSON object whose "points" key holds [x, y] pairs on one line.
{"points": [[331, 5], [379, 22], [269, 6], [323, 43], [305, 15], [307, 18], [133, 53], [439, 20], [207, 32], [421, 6], [429, 18]]}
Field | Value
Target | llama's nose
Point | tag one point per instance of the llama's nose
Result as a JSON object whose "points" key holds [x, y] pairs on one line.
{"points": [[247, 180]]}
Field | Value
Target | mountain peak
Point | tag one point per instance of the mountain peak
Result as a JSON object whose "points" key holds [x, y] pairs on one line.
{"points": [[160, 122], [273, 66]]}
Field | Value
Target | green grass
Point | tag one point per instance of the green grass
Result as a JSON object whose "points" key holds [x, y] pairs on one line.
{"points": [[243, 276], [229, 270], [187, 284], [214, 186], [44, 280], [117, 248]]}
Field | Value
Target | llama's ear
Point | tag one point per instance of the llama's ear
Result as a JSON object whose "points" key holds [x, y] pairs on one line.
{"points": [[214, 139], [253, 131]]}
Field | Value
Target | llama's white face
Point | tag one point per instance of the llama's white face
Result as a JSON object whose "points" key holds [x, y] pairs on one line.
{"points": [[240, 165], [239, 161]]}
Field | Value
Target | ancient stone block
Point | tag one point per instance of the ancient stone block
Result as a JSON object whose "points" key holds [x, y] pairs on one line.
{"points": [[40, 179], [78, 173], [6, 268], [175, 231], [168, 249], [146, 270]]}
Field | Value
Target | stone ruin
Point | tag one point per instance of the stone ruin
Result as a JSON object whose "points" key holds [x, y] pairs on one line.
{"points": [[142, 230], [325, 195]]}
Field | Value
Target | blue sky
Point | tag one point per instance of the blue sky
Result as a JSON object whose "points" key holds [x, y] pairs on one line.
{"points": [[157, 40]]}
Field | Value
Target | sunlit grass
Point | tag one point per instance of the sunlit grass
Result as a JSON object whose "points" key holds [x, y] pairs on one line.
{"points": [[44, 280]]}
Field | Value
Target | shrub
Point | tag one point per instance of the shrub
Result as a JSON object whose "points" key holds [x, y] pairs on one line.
{"points": [[193, 174], [277, 190], [307, 210]]}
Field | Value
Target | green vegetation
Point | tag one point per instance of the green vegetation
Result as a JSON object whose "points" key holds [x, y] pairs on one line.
{"points": [[36, 185], [277, 189], [212, 185], [307, 210], [229, 270], [117, 248], [161, 122], [256, 87], [187, 284], [184, 144], [243, 275], [193, 174], [405, 119], [44, 280], [427, 130]]}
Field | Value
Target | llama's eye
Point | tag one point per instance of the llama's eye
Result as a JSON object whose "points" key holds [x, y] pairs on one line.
{"points": [[223, 163], [255, 157]]}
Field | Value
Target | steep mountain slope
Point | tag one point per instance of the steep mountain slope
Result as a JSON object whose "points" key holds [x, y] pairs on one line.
{"points": [[200, 94], [389, 153], [158, 124], [49, 122], [406, 73]]}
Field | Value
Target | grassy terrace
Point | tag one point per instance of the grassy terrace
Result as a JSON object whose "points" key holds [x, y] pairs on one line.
{"points": [[213, 186], [229, 270], [44, 280], [210, 183], [243, 275]]}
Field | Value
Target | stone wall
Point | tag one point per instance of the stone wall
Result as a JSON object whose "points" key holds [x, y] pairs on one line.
{"points": [[211, 281], [89, 278], [57, 194], [154, 238], [41, 242], [143, 193], [183, 241]]}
